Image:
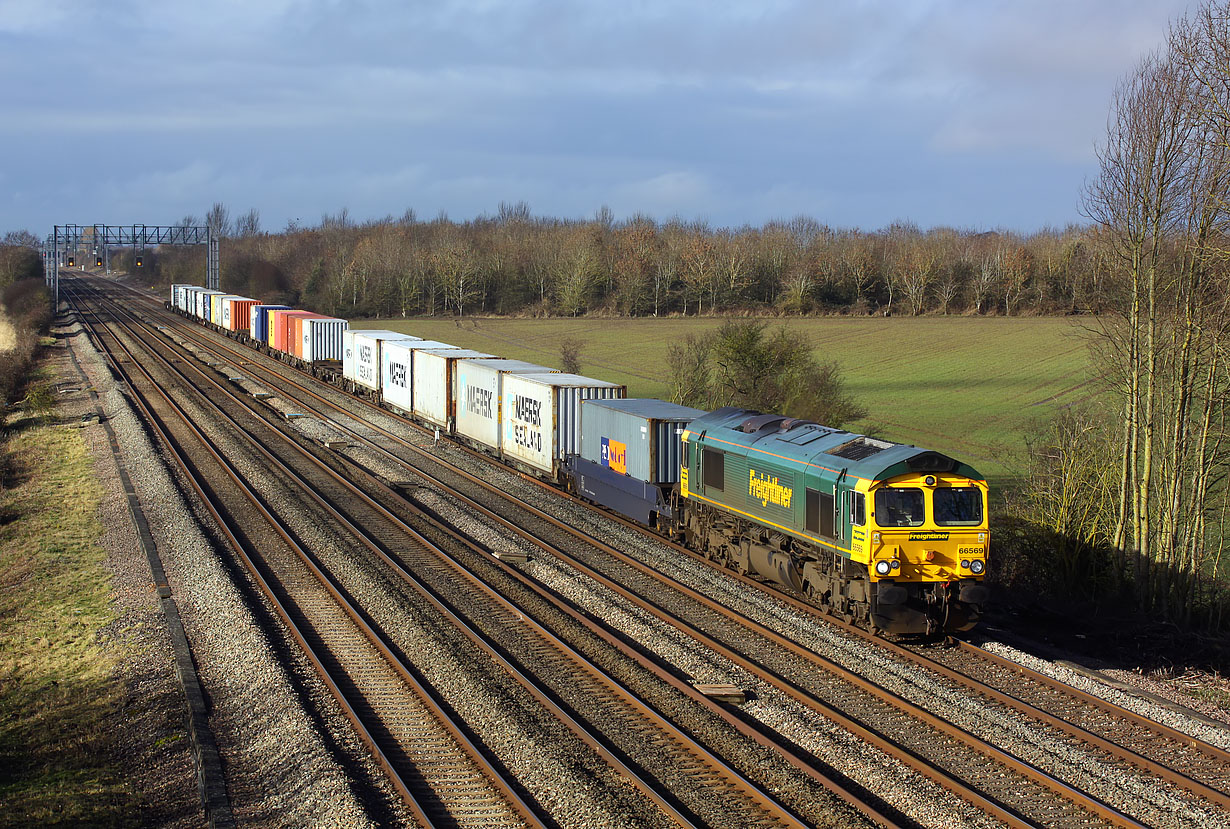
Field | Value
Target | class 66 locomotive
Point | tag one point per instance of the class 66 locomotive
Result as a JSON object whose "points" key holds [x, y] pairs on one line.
{"points": [[888, 536]]}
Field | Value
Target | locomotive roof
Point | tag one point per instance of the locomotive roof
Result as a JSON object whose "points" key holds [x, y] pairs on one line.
{"points": [[804, 441]]}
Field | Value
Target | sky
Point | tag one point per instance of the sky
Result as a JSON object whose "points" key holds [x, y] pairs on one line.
{"points": [[974, 114]]}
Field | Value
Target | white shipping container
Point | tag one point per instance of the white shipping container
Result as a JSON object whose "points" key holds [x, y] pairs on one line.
{"points": [[432, 379], [361, 354], [186, 298], [177, 294], [477, 394], [322, 338], [201, 309], [541, 416], [216, 304], [396, 366]]}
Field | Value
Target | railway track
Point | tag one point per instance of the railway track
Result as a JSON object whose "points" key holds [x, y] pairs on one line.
{"points": [[440, 775], [688, 769], [1001, 802]]}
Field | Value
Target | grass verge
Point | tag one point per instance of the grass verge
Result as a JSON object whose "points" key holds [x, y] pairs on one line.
{"points": [[59, 696]]}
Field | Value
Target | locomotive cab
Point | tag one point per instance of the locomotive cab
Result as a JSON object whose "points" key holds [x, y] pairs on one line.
{"points": [[927, 551]]}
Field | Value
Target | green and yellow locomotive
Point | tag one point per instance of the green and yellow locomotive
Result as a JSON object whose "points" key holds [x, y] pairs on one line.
{"points": [[891, 536]]}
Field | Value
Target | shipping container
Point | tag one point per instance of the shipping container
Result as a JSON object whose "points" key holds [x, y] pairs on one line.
{"points": [[258, 321], [216, 304], [477, 392], [541, 416], [177, 294], [283, 333], [321, 338], [277, 327], [187, 299], [201, 309], [396, 367], [237, 313], [361, 354], [295, 329], [642, 438], [432, 379]]}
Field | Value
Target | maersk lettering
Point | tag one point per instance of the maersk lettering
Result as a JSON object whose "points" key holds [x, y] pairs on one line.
{"points": [[527, 409], [397, 374], [767, 490], [478, 401], [365, 353]]}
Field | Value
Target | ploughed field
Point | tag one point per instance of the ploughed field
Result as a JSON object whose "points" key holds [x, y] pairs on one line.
{"points": [[973, 387]]}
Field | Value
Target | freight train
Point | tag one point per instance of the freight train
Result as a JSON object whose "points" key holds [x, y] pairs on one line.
{"points": [[889, 536]]}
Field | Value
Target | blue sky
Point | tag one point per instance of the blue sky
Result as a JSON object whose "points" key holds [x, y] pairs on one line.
{"points": [[969, 114]]}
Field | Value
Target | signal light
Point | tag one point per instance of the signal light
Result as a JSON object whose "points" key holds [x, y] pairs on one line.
{"points": [[138, 261], [98, 261], [70, 261]]}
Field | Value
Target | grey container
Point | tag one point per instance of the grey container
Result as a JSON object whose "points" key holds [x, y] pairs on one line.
{"points": [[638, 437]]}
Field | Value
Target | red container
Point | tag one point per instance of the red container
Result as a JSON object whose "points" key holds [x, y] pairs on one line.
{"points": [[294, 332], [282, 327]]}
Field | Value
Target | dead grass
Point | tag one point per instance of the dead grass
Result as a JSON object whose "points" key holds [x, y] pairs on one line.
{"points": [[58, 695]]}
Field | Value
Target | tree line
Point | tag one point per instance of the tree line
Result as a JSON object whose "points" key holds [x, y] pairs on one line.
{"points": [[514, 263]]}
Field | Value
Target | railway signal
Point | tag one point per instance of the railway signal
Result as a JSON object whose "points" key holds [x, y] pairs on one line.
{"points": [[70, 261]]}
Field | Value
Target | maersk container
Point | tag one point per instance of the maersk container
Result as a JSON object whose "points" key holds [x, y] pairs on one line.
{"points": [[396, 370], [322, 338], [235, 312], [541, 416], [477, 387], [258, 321], [361, 354], [432, 380], [642, 438]]}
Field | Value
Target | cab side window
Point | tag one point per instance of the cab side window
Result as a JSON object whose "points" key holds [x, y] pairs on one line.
{"points": [[713, 464], [858, 508]]}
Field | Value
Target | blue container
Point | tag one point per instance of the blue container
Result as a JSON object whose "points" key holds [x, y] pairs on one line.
{"points": [[260, 321]]}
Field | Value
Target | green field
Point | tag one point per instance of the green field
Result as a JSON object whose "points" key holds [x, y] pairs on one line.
{"points": [[967, 386]]}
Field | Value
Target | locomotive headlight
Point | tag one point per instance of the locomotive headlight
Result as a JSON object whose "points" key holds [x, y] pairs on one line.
{"points": [[977, 566], [896, 564], [929, 480], [965, 564], [883, 568]]}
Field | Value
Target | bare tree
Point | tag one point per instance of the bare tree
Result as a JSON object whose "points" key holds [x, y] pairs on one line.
{"points": [[249, 224], [219, 220]]}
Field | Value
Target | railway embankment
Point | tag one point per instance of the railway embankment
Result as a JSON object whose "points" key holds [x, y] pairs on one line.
{"points": [[91, 717]]}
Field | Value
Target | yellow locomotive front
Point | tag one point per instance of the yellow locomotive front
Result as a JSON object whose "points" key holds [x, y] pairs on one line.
{"points": [[926, 549]]}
